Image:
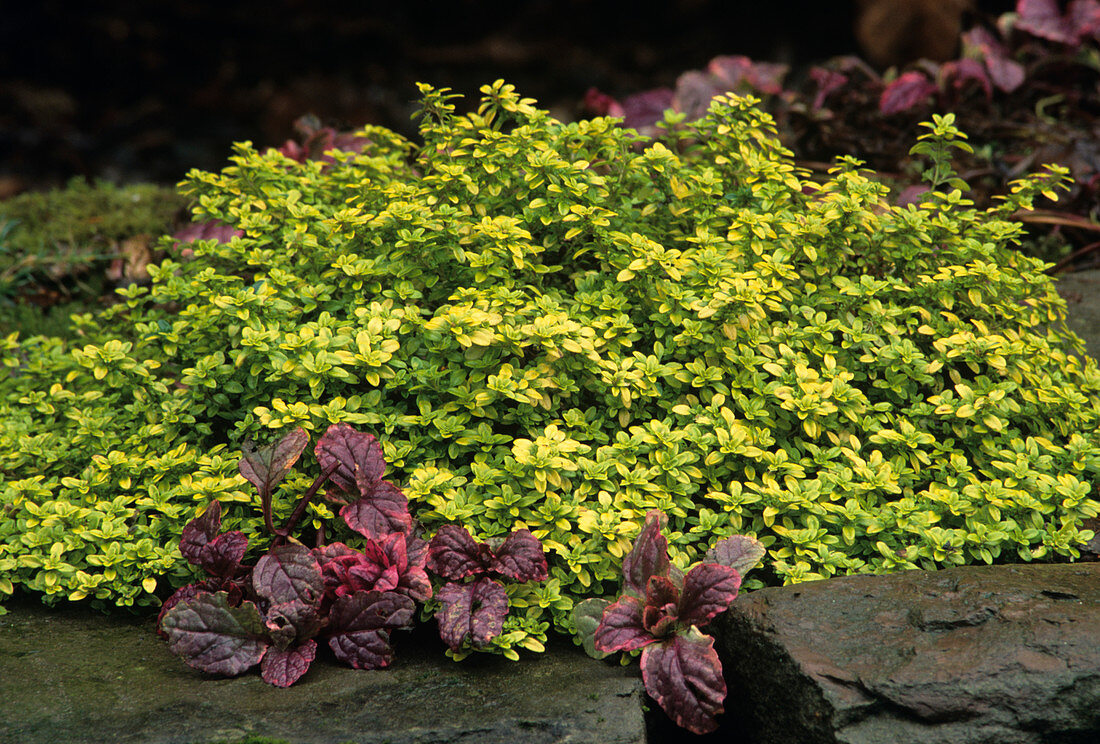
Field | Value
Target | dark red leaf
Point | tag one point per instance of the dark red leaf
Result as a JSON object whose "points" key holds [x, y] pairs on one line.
{"points": [[694, 91], [740, 552], [598, 103], [708, 590], [202, 546], [382, 510], [411, 579], [184, 592], [1083, 18], [289, 573], [222, 556], [520, 557], [265, 468], [354, 458], [214, 637], [363, 649], [199, 531], [648, 557], [359, 625], [960, 72], [283, 668], [732, 71], [293, 622], [909, 90], [684, 676], [454, 554], [1043, 18], [661, 600], [643, 110], [1006, 74], [416, 549], [209, 230], [621, 627], [828, 82], [382, 566], [474, 611]]}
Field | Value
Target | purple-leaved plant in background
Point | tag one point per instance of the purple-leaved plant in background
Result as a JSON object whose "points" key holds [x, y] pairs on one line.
{"points": [[661, 610], [272, 613]]}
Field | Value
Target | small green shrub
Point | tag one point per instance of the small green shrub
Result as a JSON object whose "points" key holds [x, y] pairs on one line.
{"points": [[549, 327]]}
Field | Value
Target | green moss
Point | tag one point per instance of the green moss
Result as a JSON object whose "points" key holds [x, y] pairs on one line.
{"points": [[549, 326], [59, 243]]}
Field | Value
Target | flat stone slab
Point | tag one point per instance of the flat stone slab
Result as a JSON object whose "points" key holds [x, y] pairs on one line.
{"points": [[969, 655], [76, 676], [1081, 291]]}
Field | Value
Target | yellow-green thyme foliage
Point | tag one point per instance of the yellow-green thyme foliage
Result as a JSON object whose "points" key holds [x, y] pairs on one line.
{"points": [[548, 326]]}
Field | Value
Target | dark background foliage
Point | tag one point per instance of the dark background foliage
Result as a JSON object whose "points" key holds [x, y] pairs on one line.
{"points": [[129, 90]]}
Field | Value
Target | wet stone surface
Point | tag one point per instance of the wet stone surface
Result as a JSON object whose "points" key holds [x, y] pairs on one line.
{"points": [[78, 676]]}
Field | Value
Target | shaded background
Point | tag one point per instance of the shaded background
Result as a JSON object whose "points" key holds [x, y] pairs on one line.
{"points": [[131, 90]]}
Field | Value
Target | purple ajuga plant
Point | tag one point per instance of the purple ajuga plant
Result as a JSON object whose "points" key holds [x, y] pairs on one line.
{"points": [[475, 610], [660, 611], [273, 613]]}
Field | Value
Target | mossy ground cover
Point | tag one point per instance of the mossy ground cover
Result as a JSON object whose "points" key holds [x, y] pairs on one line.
{"points": [[57, 248], [560, 327]]}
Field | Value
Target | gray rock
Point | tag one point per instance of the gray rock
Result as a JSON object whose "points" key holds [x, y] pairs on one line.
{"points": [[1081, 291], [969, 655], [78, 676]]}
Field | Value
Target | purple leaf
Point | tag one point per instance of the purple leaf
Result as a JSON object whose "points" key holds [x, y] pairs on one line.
{"points": [[199, 531], [684, 676], [828, 82], [475, 611], [1083, 18], [642, 110], [209, 586], [1043, 18], [660, 612], [909, 90], [454, 554], [283, 668], [520, 557], [708, 590], [382, 510], [289, 573], [382, 566], [265, 468], [766, 77], [621, 628], [961, 71], [291, 622], [214, 637], [202, 546], [598, 103], [222, 556], [740, 552], [354, 459], [648, 557], [694, 91], [184, 592], [412, 579], [209, 230], [360, 625], [587, 616], [416, 549], [1006, 74]]}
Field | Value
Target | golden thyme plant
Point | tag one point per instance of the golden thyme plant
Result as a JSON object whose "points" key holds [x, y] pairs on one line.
{"points": [[560, 327]]}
